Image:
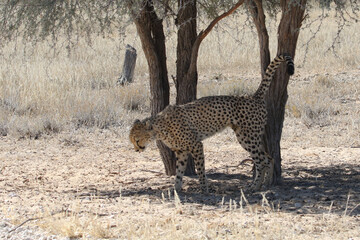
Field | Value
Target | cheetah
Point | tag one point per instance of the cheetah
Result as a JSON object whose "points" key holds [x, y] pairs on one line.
{"points": [[183, 127]]}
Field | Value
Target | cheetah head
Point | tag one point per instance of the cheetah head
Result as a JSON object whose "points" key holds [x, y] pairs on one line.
{"points": [[140, 135]]}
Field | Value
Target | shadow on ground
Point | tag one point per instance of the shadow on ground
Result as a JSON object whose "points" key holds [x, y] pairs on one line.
{"points": [[304, 190]]}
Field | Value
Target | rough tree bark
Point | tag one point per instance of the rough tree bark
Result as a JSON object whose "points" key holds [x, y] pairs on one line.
{"points": [[258, 16], [150, 30], [288, 33], [186, 82]]}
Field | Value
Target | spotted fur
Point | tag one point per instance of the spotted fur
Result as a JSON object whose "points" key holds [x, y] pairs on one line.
{"points": [[183, 127]]}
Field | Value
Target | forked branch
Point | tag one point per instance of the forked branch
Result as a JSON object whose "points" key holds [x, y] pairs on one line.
{"points": [[204, 33]]}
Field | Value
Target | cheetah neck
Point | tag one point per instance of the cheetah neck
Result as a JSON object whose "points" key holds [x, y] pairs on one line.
{"points": [[149, 127]]}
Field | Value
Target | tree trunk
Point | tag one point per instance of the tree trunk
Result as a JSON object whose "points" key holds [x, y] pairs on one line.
{"points": [[129, 66], [151, 32], [186, 82], [186, 78], [288, 32], [258, 16]]}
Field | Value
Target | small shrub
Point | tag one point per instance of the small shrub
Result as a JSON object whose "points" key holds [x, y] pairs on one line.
{"points": [[313, 102], [318, 115], [322, 80], [134, 97], [231, 87], [293, 111], [32, 127], [97, 116]]}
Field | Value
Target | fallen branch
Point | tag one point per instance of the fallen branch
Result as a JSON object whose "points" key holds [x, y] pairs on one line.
{"points": [[53, 214], [28, 220], [37, 218]]}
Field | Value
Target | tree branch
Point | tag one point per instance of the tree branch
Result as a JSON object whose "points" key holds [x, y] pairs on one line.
{"points": [[257, 11], [204, 33]]}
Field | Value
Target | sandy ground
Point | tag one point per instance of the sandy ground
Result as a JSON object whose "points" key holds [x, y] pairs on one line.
{"points": [[89, 171], [98, 164], [94, 174]]}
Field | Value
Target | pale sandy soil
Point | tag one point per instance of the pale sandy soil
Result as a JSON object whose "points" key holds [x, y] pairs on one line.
{"points": [[94, 184], [97, 173]]}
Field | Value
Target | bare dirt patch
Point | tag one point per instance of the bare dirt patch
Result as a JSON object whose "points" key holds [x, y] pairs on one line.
{"points": [[95, 175]]}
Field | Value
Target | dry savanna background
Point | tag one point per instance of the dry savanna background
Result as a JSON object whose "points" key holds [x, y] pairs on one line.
{"points": [[67, 166]]}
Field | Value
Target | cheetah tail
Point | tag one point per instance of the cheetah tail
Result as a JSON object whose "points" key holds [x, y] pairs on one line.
{"points": [[270, 71], [289, 63]]}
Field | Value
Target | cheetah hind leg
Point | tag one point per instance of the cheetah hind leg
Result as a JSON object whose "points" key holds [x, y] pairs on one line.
{"points": [[264, 172], [259, 176], [258, 156], [181, 160], [269, 170]]}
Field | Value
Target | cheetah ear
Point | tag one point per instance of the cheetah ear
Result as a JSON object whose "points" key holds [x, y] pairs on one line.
{"points": [[137, 121], [148, 125]]}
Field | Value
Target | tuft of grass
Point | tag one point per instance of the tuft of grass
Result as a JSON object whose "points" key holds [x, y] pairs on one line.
{"points": [[225, 87], [224, 221], [74, 226], [32, 127], [65, 226], [311, 102], [135, 98], [324, 80]]}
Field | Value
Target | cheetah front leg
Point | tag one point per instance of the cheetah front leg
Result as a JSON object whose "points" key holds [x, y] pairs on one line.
{"points": [[198, 155], [181, 160]]}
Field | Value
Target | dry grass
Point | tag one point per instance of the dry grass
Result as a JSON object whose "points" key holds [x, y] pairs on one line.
{"points": [[226, 221], [42, 92], [84, 167]]}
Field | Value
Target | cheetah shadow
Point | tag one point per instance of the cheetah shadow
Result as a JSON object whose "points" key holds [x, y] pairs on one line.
{"points": [[303, 190]]}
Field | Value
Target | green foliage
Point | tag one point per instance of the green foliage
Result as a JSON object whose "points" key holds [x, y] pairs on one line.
{"points": [[37, 20]]}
